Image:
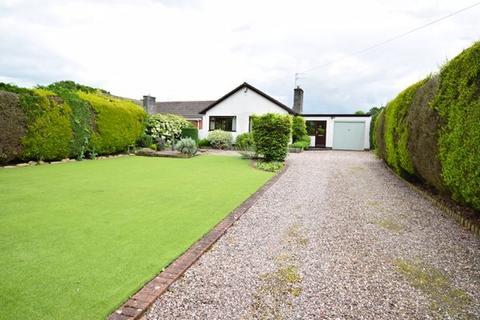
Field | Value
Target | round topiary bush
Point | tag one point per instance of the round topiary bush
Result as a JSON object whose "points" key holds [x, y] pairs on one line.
{"points": [[220, 139]]}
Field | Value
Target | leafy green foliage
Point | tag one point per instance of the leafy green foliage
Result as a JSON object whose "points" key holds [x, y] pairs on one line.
{"points": [[374, 112], [190, 132], [300, 144], [220, 139], [145, 141], [458, 103], [203, 143], [270, 166], [431, 130], [360, 112], [82, 119], [13, 127], [245, 141], [299, 128], [48, 126], [380, 135], [187, 146], [271, 133], [396, 130], [119, 122], [424, 128], [166, 126]]}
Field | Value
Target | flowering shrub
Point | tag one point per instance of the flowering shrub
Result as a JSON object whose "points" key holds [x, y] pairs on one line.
{"points": [[166, 126], [187, 146], [220, 139]]}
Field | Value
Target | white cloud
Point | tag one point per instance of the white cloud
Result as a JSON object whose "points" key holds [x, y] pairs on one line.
{"points": [[201, 49]]}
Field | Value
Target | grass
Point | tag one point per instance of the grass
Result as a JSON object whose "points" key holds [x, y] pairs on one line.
{"points": [[446, 301], [76, 239], [390, 224]]}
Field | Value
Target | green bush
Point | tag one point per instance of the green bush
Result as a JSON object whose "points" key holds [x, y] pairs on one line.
{"points": [[82, 119], [13, 127], [396, 130], [166, 126], [272, 166], [219, 139], [300, 144], [431, 130], [245, 141], [187, 146], [48, 132], [424, 127], [119, 122], [203, 143], [48, 127], [380, 135], [145, 141], [271, 133], [299, 128], [190, 132], [374, 112], [458, 104]]}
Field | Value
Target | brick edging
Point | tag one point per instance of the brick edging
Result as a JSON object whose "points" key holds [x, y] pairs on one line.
{"points": [[467, 223], [136, 306]]}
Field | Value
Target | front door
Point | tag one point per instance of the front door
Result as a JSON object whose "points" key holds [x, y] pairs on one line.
{"points": [[318, 130]]}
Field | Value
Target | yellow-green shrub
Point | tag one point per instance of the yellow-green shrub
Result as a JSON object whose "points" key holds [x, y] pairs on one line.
{"points": [[118, 122], [396, 130], [458, 103], [48, 129]]}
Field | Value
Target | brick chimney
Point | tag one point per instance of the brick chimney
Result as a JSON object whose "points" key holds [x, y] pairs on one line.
{"points": [[298, 100], [149, 104]]}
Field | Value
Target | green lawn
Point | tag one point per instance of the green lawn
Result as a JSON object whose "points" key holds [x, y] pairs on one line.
{"points": [[76, 239]]}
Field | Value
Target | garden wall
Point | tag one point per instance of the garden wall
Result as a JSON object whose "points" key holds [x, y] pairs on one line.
{"points": [[431, 131], [65, 120]]}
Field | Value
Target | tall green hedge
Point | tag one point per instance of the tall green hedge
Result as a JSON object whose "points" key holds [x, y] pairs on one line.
{"points": [[63, 120], [271, 133], [458, 103], [13, 127], [82, 118], [118, 122], [431, 130], [396, 132]]}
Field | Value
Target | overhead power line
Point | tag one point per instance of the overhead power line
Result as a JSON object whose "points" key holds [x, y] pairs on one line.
{"points": [[376, 45]]}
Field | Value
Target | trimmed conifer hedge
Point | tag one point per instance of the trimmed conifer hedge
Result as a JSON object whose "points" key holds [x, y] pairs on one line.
{"points": [[272, 133], [431, 130], [65, 120]]}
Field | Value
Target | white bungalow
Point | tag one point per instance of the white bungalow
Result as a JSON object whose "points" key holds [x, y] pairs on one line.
{"points": [[234, 110]]}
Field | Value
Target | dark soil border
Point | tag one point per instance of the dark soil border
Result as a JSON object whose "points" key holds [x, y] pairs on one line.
{"points": [[136, 306], [462, 215]]}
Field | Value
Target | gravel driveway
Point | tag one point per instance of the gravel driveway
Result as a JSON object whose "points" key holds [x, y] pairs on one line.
{"points": [[336, 237]]}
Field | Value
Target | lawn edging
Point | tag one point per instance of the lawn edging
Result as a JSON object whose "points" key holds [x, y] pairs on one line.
{"points": [[136, 306], [465, 222]]}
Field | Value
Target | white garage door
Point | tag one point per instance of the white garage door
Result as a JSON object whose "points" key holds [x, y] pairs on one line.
{"points": [[348, 135]]}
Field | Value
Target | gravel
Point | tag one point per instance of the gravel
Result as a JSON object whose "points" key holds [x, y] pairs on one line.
{"points": [[336, 237]]}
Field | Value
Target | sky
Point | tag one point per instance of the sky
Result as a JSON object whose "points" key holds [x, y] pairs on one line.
{"points": [[200, 50]]}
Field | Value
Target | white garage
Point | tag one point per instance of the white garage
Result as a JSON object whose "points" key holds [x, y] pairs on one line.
{"points": [[349, 135], [339, 131]]}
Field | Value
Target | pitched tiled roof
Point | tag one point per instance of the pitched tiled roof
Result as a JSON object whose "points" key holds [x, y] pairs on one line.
{"points": [[184, 108]]}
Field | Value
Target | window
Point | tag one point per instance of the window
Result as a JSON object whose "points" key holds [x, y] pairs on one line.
{"points": [[250, 124], [223, 123]]}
